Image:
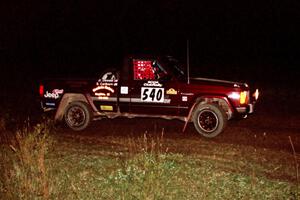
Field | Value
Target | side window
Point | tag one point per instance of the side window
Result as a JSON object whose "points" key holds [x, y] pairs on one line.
{"points": [[109, 75], [159, 72], [143, 70]]}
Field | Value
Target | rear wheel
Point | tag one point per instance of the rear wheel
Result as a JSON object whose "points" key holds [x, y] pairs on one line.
{"points": [[77, 115], [209, 120]]}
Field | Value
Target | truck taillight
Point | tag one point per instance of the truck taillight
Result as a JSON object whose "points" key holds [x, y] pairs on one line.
{"points": [[41, 90]]}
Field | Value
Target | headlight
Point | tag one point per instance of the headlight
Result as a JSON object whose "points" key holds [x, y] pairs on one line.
{"points": [[234, 95], [242, 97]]}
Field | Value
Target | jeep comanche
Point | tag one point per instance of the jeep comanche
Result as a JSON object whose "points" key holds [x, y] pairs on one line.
{"points": [[149, 87]]}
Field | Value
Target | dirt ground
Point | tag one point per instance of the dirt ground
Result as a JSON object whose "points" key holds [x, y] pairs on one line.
{"points": [[263, 129]]}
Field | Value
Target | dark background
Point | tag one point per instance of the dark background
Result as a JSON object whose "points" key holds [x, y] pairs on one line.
{"points": [[249, 41]]}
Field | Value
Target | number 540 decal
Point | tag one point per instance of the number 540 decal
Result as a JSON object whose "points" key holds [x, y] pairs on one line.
{"points": [[155, 95]]}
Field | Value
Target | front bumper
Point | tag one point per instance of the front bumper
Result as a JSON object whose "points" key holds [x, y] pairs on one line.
{"points": [[249, 109]]}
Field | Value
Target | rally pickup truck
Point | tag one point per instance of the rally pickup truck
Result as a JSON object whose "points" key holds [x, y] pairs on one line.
{"points": [[147, 87]]}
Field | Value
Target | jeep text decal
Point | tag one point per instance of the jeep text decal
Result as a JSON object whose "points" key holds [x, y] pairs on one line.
{"points": [[54, 94]]}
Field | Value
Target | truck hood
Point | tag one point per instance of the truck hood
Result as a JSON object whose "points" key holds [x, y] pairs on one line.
{"points": [[218, 82]]}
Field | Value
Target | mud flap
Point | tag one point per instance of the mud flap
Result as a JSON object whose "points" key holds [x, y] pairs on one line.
{"points": [[187, 119]]}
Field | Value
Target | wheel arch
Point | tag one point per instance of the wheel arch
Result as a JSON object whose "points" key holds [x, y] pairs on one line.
{"points": [[221, 101], [65, 101]]}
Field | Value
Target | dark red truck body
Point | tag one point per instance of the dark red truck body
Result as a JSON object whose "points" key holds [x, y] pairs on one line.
{"points": [[149, 87]]}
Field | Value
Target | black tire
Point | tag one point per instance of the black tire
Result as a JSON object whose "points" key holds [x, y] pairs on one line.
{"points": [[78, 115], [209, 120]]}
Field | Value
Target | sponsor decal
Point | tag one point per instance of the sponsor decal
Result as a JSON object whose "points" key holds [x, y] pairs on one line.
{"points": [[171, 91], [105, 107], [54, 94], [152, 95], [184, 98], [153, 84], [50, 104], [104, 88], [167, 101], [102, 97], [105, 84], [103, 92], [124, 90], [189, 93]]}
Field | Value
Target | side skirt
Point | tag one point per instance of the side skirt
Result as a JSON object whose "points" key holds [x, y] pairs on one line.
{"points": [[101, 115]]}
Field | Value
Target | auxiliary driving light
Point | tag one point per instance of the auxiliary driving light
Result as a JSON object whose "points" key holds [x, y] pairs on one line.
{"points": [[256, 94], [243, 97]]}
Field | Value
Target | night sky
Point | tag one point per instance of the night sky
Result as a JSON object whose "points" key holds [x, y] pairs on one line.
{"points": [[256, 41]]}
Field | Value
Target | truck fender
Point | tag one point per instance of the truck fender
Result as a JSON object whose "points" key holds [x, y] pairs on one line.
{"points": [[220, 100], [66, 99]]}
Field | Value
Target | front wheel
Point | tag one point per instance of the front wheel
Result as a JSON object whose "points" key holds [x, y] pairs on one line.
{"points": [[209, 120], [77, 115]]}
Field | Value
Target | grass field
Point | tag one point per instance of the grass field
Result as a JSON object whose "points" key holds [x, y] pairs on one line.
{"points": [[41, 163]]}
